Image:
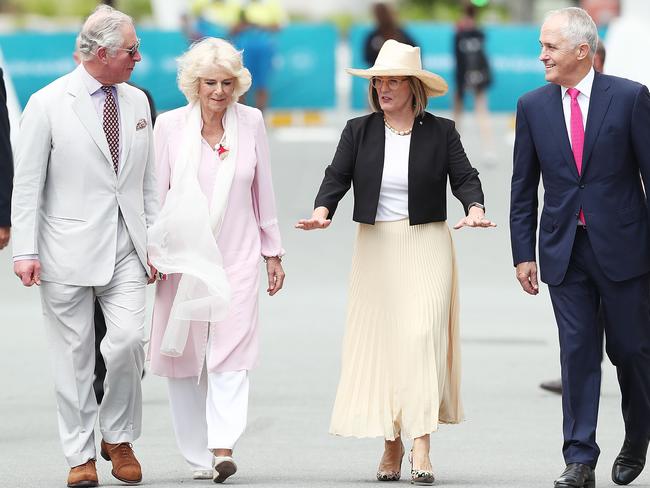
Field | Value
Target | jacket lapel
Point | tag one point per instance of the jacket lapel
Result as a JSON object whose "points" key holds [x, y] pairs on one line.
{"points": [[374, 148], [85, 110], [126, 124], [557, 124], [417, 157], [598, 105]]}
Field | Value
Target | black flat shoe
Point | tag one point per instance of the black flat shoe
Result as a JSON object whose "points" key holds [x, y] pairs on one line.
{"points": [[554, 386], [576, 475], [629, 463]]}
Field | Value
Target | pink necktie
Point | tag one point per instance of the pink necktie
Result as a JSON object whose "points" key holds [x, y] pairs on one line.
{"points": [[577, 135], [111, 125]]}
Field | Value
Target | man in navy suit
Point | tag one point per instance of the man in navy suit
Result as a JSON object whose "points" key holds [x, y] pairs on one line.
{"points": [[587, 135], [6, 168]]}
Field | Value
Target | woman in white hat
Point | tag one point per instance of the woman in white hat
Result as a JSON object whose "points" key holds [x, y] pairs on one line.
{"points": [[400, 372]]}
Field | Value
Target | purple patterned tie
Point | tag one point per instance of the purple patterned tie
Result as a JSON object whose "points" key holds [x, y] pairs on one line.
{"points": [[577, 135], [111, 125]]}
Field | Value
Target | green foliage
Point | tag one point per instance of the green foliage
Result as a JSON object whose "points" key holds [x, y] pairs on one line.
{"points": [[343, 22], [52, 8], [73, 8], [447, 11], [135, 8], [428, 11]]}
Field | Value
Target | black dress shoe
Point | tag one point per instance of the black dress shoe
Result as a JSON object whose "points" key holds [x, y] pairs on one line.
{"points": [[576, 475], [629, 463], [554, 386]]}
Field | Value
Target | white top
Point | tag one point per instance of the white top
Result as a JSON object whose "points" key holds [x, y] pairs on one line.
{"points": [[584, 87], [393, 194]]}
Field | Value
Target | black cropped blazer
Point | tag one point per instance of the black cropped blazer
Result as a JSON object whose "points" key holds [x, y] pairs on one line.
{"points": [[435, 154]]}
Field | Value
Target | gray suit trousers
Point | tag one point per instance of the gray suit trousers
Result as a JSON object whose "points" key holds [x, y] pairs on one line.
{"points": [[69, 314]]}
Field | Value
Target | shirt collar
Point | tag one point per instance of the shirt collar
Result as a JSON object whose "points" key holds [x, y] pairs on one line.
{"points": [[584, 86], [91, 84]]}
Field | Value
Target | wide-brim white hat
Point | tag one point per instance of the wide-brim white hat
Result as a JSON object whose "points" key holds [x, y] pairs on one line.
{"points": [[397, 59]]}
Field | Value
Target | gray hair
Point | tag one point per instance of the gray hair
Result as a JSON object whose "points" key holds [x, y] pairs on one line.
{"points": [[103, 28], [203, 58], [580, 27]]}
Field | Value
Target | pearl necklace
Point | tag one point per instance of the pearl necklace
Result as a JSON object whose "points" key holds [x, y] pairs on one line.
{"points": [[395, 131]]}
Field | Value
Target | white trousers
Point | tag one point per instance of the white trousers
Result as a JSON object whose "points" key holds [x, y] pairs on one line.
{"points": [[69, 312], [209, 413]]}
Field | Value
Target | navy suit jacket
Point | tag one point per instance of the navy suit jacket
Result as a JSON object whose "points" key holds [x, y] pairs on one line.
{"points": [[616, 159], [6, 159]]}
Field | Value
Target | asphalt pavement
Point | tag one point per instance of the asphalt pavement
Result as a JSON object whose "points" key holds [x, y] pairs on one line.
{"points": [[512, 433]]}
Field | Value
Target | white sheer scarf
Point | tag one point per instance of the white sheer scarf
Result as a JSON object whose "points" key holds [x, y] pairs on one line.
{"points": [[183, 239]]}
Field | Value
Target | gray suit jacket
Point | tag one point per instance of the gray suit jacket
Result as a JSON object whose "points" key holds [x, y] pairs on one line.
{"points": [[66, 194]]}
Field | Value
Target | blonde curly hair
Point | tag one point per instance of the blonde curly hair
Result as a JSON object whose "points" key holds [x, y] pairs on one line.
{"points": [[203, 58]]}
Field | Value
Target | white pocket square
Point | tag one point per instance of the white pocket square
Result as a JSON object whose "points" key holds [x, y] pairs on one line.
{"points": [[142, 123]]}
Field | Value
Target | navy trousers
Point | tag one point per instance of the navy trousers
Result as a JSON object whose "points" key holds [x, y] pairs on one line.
{"points": [[626, 314]]}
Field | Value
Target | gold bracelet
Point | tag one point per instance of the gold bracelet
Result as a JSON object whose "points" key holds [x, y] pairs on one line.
{"points": [[266, 258]]}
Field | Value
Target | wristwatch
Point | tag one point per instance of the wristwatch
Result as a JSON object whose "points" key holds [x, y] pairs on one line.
{"points": [[476, 204]]}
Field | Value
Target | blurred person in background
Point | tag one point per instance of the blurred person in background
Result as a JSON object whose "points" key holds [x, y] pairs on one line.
{"points": [[386, 27], [255, 34], [555, 386], [400, 368], [224, 14], [473, 75], [84, 194], [6, 168], [585, 133], [190, 29], [214, 182]]}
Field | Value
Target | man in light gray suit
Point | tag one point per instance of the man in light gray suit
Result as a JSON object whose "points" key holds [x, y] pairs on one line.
{"points": [[84, 195]]}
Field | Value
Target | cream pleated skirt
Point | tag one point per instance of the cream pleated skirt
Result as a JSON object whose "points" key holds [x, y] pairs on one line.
{"points": [[400, 368]]}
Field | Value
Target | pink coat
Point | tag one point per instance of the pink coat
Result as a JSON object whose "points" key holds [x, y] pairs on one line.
{"points": [[250, 230]]}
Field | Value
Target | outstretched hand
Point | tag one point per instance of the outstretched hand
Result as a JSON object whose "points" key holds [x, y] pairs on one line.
{"points": [[318, 220], [475, 218]]}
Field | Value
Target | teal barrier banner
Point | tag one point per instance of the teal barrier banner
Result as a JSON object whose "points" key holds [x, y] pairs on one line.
{"points": [[305, 71], [303, 74], [512, 52]]}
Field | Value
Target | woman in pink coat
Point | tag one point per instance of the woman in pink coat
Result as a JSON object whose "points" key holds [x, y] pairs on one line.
{"points": [[219, 149]]}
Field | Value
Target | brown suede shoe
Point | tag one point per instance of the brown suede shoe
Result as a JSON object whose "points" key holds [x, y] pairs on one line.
{"points": [[83, 475], [126, 467]]}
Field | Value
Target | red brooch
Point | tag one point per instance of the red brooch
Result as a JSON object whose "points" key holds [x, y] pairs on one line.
{"points": [[222, 152]]}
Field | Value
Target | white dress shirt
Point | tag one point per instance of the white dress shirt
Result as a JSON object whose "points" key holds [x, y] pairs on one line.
{"points": [[98, 98], [584, 87]]}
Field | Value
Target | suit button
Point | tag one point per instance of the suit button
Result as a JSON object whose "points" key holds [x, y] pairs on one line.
{"points": [[582, 187]]}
